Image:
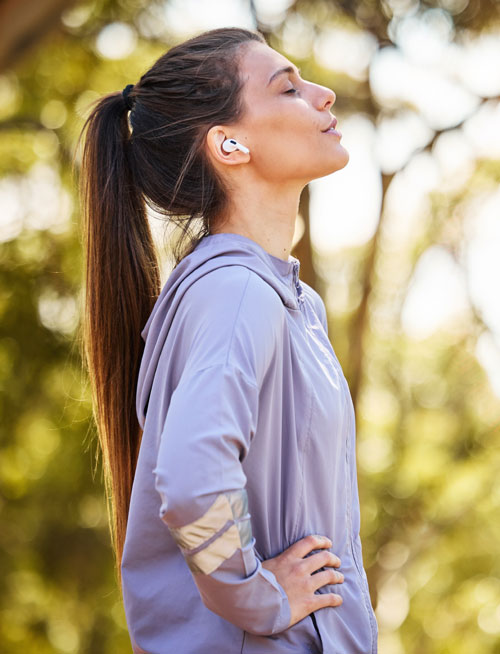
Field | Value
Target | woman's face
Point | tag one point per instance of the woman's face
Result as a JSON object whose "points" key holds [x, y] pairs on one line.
{"points": [[284, 120]]}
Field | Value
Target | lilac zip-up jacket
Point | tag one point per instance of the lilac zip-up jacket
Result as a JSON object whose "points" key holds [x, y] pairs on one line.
{"points": [[248, 446]]}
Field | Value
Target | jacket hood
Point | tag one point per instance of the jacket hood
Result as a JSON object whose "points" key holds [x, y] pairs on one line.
{"points": [[211, 252]]}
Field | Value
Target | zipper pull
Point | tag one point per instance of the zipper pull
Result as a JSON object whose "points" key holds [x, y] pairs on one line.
{"points": [[298, 288]]}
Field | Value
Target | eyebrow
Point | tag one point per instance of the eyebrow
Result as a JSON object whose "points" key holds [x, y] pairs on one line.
{"points": [[286, 69]]}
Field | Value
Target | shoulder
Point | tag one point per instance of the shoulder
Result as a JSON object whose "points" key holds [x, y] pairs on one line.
{"points": [[231, 315], [234, 290]]}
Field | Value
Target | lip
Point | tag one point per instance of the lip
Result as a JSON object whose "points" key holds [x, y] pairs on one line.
{"points": [[332, 125], [334, 132]]}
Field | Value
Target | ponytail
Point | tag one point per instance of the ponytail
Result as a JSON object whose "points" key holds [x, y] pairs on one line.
{"points": [[121, 285], [158, 160]]}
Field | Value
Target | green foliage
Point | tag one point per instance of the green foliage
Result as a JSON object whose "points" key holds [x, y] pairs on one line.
{"points": [[56, 582], [428, 435]]}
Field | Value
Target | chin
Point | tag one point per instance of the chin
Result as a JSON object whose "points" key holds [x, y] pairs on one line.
{"points": [[339, 163], [344, 157]]}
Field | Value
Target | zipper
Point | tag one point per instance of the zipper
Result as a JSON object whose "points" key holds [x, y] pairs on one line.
{"points": [[313, 618], [299, 293]]}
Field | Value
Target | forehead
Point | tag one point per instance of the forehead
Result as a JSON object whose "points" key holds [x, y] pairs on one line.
{"points": [[258, 63]]}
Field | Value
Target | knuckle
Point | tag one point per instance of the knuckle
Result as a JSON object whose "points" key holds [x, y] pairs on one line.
{"points": [[298, 567], [310, 585], [333, 576], [319, 558], [325, 557], [338, 576], [335, 559], [301, 567]]}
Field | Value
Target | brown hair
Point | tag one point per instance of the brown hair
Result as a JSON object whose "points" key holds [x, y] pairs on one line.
{"points": [[160, 163]]}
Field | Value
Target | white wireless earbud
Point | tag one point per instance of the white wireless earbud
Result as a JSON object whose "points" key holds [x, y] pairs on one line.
{"points": [[230, 145]]}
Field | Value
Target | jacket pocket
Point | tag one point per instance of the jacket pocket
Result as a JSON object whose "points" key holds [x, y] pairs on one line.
{"points": [[303, 636]]}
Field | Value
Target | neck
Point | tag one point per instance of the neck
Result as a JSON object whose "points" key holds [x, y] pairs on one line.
{"points": [[265, 214]]}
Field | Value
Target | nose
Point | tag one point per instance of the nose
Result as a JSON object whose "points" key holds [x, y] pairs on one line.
{"points": [[326, 97], [330, 97]]}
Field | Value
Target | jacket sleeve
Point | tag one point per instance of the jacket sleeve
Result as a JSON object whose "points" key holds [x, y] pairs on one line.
{"points": [[210, 424]]}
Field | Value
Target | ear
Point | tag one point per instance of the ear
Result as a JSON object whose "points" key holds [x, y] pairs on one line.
{"points": [[215, 138]]}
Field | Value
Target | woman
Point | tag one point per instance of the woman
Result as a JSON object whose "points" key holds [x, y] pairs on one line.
{"points": [[226, 424]]}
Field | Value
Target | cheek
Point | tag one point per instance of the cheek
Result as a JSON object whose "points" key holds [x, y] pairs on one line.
{"points": [[282, 120], [287, 153], [284, 142]]}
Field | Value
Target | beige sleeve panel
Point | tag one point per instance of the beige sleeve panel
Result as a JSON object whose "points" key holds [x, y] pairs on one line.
{"points": [[220, 531]]}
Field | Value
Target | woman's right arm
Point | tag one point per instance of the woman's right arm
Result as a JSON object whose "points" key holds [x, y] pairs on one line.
{"points": [[210, 423]]}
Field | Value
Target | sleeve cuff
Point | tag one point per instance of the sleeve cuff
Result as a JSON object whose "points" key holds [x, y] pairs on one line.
{"points": [[256, 603]]}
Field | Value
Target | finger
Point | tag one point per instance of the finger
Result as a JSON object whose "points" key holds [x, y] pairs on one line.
{"points": [[326, 599], [320, 559], [308, 543], [326, 577]]}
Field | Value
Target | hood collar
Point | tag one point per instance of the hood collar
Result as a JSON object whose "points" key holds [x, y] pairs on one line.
{"points": [[282, 268]]}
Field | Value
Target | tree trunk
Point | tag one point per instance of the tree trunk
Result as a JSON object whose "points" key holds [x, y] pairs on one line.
{"points": [[23, 23]]}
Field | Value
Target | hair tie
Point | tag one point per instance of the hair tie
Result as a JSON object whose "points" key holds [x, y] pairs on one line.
{"points": [[129, 102]]}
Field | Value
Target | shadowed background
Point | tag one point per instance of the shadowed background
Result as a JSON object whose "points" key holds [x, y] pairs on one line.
{"points": [[403, 244]]}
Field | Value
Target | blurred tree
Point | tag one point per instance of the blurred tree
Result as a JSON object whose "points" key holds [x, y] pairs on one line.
{"points": [[428, 423], [23, 23]]}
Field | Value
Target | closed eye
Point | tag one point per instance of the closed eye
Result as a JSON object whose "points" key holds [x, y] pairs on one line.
{"points": [[291, 91]]}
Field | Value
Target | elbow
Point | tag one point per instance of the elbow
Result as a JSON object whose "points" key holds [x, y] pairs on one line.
{"points": [[178, 501]]}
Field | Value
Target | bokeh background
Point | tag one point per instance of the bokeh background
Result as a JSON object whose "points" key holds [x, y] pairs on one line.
{"points": [[403, 244]]}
